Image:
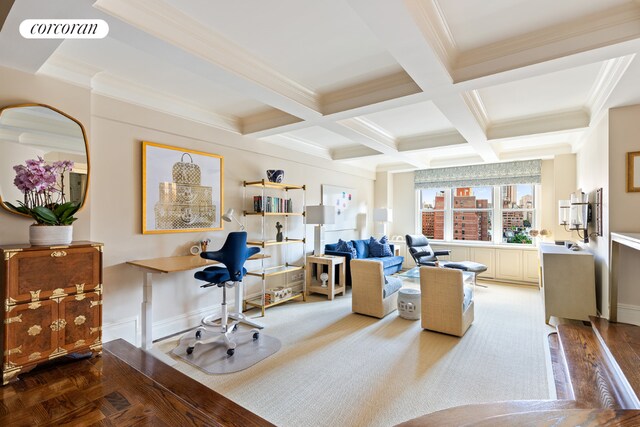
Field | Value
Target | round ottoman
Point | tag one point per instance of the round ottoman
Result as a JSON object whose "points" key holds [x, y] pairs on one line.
{"points": [[409, 303]]}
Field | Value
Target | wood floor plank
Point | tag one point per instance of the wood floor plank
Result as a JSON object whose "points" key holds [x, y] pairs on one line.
{"points": [[560, 376], [124, 387]]}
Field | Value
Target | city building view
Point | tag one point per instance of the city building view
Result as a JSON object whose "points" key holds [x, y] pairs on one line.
{"points": [[472, 211]]}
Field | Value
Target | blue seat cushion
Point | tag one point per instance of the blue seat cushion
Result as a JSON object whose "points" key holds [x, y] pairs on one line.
{"points": [[362, 248], [475, 267], [392, 284], [468, 296], [216, 274], [389, 261]]}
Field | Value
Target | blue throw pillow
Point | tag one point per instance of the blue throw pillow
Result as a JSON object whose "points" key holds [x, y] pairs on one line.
{"points": [[379, 248], [346, 247]]}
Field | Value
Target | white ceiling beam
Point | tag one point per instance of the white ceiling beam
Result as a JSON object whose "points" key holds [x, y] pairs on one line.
{"points": [[547, 123], [536, 153], [426, 141], [353, 152]]}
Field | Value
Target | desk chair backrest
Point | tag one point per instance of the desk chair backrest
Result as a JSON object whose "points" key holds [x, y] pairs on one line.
{"points": [[233, 254], [420, 249]]}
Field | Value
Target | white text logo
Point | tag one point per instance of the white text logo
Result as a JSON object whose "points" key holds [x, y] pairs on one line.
{"points": [[64, 29]]}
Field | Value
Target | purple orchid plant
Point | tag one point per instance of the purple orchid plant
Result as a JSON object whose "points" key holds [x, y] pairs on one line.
{"points": [[43, 187]]}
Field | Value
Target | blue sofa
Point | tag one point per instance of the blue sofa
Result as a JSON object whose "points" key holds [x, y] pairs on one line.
{"points": [[390, 264]]}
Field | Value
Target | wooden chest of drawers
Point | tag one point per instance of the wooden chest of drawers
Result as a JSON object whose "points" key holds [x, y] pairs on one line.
{"points": [[52, 304]]}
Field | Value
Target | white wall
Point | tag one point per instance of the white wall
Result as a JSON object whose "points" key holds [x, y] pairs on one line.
{"points": [[592, 172], [113, 215]]}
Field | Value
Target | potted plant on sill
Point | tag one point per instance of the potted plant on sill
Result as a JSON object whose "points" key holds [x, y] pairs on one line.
{"points": [[44, 200]]}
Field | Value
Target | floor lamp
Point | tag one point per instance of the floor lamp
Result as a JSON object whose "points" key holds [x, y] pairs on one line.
{"points": [[383, 215], [320, 215]]}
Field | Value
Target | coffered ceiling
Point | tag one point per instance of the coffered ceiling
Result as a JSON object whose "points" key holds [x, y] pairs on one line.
{"points": [[386, 85]]}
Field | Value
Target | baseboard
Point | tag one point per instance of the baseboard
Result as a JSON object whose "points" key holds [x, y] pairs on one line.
{"points": [[628, 313], [127, 329]]}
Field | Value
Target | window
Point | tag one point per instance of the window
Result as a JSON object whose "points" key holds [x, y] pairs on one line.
{"points": [[472, 213], [518, 211], [432, 207]]}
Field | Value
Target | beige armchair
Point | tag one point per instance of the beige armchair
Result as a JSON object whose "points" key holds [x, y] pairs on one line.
{"points": [[370, 294], [444, 306]]}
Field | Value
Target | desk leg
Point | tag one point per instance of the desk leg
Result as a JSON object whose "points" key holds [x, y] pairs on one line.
{"points": [[147, 313], [613, 282]]}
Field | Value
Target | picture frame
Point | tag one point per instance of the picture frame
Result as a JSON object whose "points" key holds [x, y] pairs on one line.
{"points": [[182, 189], [598, 206], [345, 201], [633, 172]]}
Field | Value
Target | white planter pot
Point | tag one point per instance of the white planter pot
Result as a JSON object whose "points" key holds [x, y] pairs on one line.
{"points": [[47, 235]]}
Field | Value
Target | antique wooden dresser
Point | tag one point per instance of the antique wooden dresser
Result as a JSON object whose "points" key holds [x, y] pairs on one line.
{"points": [[52, 304]]}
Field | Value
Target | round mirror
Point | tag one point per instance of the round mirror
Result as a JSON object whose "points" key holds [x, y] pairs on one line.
{"points": [[32, 131]]}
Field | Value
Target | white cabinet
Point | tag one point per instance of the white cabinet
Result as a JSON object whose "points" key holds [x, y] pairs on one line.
{"points": [[531, 266], [568, 283], [486, 256], [509, 264]]}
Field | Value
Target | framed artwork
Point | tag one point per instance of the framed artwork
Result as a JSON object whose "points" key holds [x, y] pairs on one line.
{"points": [[344, 200], [182, 189], [598, 207], [633, 171]]}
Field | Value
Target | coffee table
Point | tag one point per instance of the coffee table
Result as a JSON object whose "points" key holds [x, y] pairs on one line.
{"points": [[413, 275]]}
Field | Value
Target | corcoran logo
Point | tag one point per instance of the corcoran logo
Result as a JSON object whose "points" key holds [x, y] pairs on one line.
{"points": [[64, 29]]}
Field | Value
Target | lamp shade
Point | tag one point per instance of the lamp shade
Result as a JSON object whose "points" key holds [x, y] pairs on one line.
{"points": [[228, 215], [383, 214], [321, 214]]}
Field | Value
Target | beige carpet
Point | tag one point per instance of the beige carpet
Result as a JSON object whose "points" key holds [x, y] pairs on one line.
{"points": [[337, 368]]}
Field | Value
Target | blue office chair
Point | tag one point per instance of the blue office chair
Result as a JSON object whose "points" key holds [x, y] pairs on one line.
{"points": [[232, 255]]}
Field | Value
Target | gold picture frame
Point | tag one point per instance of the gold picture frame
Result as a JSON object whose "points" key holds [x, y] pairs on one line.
{"points": [[182, 189], [633, 171]]}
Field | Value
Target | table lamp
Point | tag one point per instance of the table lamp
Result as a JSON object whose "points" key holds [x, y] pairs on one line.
{"points": [[383, 215], [320, 215], [230, 215]]}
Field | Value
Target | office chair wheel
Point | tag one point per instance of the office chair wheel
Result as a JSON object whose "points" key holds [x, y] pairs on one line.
{"points": [[189, 350], [198, 335], [231, 351], [256, 335]]}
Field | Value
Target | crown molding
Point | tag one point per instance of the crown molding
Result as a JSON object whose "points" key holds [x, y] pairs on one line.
{"points": [[598, 30], [391, 86], [431, 21], [167, 23], [547, 123], [353, 152], [69, 69], [125, 90], [475, 104], [536, 153], [427, 141], [456, 161], [610, 74], [372, 132], [265, 120]]}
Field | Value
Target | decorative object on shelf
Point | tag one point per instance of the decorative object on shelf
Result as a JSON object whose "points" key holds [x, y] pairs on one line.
{"points": [[633, 177], [324, 277], [320, 215], [383, 215], [56, 133], [231, 215], [195, 250], [181, 191], [275, 175], [203, 244], [344, 201], [45, 201], [279, 232]]}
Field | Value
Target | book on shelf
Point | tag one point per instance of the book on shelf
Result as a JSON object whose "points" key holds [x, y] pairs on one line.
{"points": [[271, 204]]}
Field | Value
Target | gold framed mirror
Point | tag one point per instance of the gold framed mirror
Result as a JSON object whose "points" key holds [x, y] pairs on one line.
{"points": [[29, 131]]}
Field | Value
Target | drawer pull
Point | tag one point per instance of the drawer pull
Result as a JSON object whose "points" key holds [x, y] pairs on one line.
{"points": [[35, 295], [58, 254]]}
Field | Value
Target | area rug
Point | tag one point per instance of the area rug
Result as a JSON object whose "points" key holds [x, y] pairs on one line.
{"points": [[212, 358], [337, 368]]}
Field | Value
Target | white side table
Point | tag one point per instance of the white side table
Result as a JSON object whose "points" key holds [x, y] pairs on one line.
{"points": [[409, 303]]}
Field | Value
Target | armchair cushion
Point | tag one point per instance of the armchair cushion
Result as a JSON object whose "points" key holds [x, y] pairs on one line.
{"points": [[391, 285], [379, 248]]}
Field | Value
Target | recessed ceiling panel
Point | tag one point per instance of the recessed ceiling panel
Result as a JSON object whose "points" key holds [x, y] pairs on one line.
{"points": [[410, 120], [320, 137], [560, 91], [476, 23], [165, 78], [322, 45], [537, 141]]}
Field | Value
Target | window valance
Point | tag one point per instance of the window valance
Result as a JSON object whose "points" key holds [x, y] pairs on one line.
{"points": [[523, 172]]}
